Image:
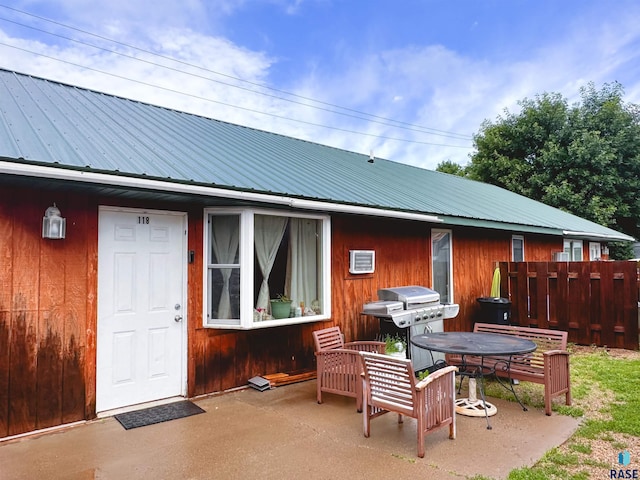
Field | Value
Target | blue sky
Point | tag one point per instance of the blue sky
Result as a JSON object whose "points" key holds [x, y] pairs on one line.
{"points": [[410, 81]]}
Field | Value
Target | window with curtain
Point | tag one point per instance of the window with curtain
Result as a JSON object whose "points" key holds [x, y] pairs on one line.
{"points": [[256, 256], [223, 269]]}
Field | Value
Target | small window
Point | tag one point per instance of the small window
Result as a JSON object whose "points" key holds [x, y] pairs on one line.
{"points": [[595, 252], [254, 257], [442, 264], [517, 248], [574, 249]]}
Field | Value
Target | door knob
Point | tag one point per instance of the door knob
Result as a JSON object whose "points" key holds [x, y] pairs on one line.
{"points": [[178, 318]]}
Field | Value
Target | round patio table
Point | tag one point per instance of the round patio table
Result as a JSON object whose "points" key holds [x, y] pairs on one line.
{"points": [[476, 344]]}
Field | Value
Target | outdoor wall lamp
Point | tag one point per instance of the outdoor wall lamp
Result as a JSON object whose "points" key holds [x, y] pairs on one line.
{"points": [[53, 225]]}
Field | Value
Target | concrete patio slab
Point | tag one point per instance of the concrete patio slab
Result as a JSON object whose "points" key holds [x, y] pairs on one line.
{"points": [[283, 433]]}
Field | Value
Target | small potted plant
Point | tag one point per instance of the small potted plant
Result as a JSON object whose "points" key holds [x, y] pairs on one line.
{"points": [[281, 307], [395, 346]]}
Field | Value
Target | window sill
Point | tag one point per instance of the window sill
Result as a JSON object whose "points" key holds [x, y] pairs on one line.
{"points": [[270, 323]]}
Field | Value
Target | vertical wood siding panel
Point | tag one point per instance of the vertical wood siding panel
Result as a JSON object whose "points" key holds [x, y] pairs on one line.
{"points": [[197, 380], [216, 361], [23, 378], [197, 345], [242, 358], [49, 371], [24, 338], [6, 295], [5, 343], [474, 260], [77, 210], [91, 320], [50, 333], [228, 349]]}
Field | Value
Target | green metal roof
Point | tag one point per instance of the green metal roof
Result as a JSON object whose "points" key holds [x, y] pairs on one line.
{"points": [[48, 123]]}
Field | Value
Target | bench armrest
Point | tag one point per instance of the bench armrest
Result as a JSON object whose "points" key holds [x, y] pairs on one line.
{"points": [[555, 352]]}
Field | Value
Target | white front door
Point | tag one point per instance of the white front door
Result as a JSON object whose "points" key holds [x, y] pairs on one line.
{"points": [[141, 338]]}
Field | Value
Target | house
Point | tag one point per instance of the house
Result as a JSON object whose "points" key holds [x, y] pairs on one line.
{"points": [[179, 229]]}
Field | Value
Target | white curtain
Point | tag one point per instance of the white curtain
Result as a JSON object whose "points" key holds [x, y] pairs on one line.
{"points": [[302, 267], [225, 233], [269, 231]]}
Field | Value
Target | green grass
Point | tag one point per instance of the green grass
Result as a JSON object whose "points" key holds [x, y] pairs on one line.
{"points": [[592, 375]]}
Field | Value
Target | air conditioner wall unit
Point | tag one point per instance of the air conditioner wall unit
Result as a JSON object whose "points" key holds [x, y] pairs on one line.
{"points": [[362, 261], [560, 256]]}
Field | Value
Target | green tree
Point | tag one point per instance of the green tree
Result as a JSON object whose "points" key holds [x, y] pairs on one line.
{"points": [[452, 168], [584, 158]]}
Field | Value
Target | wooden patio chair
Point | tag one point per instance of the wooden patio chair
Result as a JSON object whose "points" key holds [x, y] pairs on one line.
{"points": [[339, 364], [390, 385]]}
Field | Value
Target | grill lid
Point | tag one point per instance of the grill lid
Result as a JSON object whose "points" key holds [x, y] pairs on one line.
{"points": [[410, 295]]}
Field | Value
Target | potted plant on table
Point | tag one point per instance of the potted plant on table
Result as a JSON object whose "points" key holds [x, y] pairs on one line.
{"points": [[395, 346], [281, 306]]}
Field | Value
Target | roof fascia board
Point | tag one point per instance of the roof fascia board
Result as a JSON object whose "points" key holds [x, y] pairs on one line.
{"points": [[512, 227], [595, 236], [603, 236], [42, 171]]}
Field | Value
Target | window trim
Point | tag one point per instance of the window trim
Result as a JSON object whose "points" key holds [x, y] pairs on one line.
{"points": [[246, 255]]}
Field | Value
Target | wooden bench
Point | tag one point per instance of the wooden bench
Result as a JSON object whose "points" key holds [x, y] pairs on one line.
{"points": [[547, 365]]}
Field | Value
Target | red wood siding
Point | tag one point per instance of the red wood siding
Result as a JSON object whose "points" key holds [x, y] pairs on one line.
{"points": [[48, 301], [44, 292], [476, 254]]}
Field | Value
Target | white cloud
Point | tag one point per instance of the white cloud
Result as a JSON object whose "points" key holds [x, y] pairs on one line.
{"points": [[452, 92], [424, 85]]}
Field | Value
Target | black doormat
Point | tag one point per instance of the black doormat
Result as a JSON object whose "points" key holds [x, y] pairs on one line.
{"points": [[159, 414]]}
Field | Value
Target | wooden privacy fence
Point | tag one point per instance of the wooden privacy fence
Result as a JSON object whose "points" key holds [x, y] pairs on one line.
{"points": [[596, 302]]}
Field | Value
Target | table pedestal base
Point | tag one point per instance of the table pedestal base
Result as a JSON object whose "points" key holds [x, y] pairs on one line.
{"points": [[472, 407], [464, 406]]}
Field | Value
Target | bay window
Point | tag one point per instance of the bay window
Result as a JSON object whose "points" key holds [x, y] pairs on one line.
{"points": [[256, 256]]}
